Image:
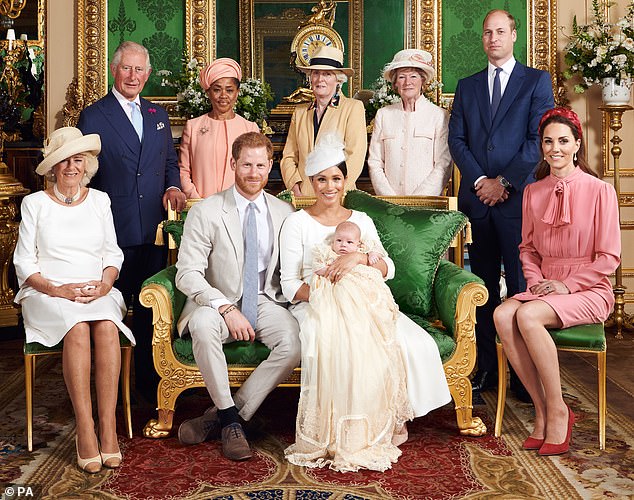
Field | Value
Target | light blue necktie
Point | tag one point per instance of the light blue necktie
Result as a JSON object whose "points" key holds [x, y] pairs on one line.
{"points": [[496, 96], [137, 119], [251, 277]]}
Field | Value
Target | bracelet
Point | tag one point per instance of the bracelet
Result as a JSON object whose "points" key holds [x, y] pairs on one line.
{"points": [[228, 310]]}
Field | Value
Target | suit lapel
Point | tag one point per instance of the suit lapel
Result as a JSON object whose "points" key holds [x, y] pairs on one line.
{"points": [[120, 122], [149, 130], [516, 80], [231, 221], [482, 97]]}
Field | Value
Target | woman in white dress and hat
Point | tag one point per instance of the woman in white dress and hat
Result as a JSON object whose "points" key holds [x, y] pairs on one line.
{"points": [[331, 111], [67, 261], [409, 154]]}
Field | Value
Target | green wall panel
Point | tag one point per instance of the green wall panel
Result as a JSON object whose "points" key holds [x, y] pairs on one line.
{"points": [[156, 24], [383, 35], [462, 53], [227, 29]]}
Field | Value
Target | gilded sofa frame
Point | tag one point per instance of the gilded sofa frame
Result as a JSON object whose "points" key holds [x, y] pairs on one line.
{"points": [[177, 377]]}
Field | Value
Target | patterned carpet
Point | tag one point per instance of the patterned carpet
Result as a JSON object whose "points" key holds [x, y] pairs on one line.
{"points": [[436, 463]]}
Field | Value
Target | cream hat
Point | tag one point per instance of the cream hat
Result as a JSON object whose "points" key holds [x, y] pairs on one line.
{"points": [[64, 143], [328, 152], [327, 58], [410, 58]]}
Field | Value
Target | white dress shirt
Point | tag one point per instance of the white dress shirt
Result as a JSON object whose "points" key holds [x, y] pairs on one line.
{"points": [[125, 104]]}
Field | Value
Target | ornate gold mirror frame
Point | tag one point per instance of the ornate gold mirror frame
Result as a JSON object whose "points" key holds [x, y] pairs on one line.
{"points": [[251, 58], [91, 81]]}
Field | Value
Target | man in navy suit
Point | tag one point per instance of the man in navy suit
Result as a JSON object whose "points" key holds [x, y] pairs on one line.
{"points": [[494, 141], [138, 169]]}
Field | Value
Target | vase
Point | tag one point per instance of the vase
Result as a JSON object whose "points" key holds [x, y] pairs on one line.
{"points": [[616, 95]]}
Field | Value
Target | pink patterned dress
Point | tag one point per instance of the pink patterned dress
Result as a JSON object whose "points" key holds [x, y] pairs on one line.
{"points": [[570, 233]]}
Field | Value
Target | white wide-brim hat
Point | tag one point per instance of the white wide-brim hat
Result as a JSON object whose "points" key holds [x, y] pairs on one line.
{"points": [[411, 58], [327, 58], [64, 143], [328, 152]]}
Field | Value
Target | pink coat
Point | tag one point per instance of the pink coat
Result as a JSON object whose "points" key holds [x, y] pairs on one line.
{"points": [[205, 154]]}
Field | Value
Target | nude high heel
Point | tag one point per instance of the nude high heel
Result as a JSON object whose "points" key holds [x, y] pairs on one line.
{"points": [[111, 456], [83, 463]]}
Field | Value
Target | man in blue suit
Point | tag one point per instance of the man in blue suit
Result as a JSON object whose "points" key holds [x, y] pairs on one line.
{"points": [[138, 169], [494, 142]]}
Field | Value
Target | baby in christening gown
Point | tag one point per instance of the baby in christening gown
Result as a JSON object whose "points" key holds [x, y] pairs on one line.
{"points": [[353, 404]]}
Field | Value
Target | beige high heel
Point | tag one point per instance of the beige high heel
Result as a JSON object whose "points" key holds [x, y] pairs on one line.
{"points": [[83, 463], [110, 456]]}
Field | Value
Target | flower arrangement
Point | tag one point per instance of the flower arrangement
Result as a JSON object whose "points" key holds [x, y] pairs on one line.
{"points": [[384, 94], [253, 97], [601, 49]]}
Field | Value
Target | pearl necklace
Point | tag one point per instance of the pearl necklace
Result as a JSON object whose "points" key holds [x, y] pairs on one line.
{"points": [[69, 200]]}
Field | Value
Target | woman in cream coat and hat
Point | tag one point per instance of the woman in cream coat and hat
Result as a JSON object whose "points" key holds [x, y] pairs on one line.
{"points": [[67, 261], [205, 150], [409, 154], [329, 112]]}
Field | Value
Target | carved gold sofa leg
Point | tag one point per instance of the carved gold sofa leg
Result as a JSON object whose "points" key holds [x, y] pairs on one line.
{"points": [[160, 427]]}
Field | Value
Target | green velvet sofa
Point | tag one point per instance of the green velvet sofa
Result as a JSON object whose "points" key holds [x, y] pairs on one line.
{"points": [[438, 294]]}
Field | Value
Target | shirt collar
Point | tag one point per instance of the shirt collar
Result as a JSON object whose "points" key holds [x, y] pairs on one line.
{"points": [[242, 202], [123, 101], [507, 67], [334, 102]]}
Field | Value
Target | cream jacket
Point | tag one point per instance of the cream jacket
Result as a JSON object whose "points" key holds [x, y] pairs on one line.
{"points": [[409, 154], [347, 118]]}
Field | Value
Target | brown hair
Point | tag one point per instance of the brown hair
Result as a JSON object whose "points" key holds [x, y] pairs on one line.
{"points": [[251, 140], [508, 15], [543, 168]]}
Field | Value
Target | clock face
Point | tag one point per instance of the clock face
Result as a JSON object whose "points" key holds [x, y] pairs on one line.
{"points": [[309, 44], [313, 36]]}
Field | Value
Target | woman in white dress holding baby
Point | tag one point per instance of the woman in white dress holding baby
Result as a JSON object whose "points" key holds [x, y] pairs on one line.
{"points": [[366, 368]]}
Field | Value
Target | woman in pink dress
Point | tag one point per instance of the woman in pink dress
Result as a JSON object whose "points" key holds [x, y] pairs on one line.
{"points": [[205, 150], [571, 243]]}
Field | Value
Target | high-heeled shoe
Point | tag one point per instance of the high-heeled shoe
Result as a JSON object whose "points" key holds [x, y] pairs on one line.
{"points": [[83, 463], [110, 456], [532, 443], [548, 449]]}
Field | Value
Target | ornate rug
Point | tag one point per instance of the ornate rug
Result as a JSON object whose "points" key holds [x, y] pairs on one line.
{"points": [[437, 463]]}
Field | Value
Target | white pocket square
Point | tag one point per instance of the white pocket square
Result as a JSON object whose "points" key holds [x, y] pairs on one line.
{"points": [[160, 126]]}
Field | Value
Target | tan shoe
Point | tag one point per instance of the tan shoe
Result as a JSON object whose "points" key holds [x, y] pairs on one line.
{"points": [[84, 463], [197, 430], [111, 460], [234, 443]]}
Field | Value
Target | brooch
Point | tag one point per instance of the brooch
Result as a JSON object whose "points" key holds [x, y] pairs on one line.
{"points": [[151, 110], [203, 130]]}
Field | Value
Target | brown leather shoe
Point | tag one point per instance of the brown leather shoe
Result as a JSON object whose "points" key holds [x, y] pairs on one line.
{"points": [[197, 430], [234, 443]]}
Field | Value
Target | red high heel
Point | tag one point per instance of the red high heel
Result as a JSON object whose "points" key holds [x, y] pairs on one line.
{"points": [[558, 449], [532, 443]]}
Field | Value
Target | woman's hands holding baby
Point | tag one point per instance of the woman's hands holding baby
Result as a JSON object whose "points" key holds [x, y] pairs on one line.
{"points": [[343, 265]]}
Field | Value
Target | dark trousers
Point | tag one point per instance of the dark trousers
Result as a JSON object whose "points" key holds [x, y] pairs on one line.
{"points": [[495, 241], [140, 262]]}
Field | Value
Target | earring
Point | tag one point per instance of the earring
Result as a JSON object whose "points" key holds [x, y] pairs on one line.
{"points": [[574, 157], [544, 158]]}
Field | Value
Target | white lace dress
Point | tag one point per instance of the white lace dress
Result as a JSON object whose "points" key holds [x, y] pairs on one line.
{"points": [[355, 347]]}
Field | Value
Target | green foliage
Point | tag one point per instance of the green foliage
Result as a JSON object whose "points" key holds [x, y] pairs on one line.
{"points": [[601, 49]]}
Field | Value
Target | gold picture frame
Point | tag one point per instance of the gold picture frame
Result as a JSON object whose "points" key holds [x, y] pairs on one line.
{"points": [[91, 80], [250, 58]]}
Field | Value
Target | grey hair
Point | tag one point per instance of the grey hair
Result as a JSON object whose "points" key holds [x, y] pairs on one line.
{"points": [[91, 165], [131, 47], [341, 77]]}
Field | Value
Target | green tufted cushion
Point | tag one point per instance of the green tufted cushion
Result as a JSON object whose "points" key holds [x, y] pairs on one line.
{"points": [[236, 353], [415, 239], [591, 337], [37, 348]]}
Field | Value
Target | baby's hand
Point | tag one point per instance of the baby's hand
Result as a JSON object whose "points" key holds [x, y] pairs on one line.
{"points": [[374, 257]]}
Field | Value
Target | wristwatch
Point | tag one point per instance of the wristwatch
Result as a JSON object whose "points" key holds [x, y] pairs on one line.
{"points": [[504, 183]]}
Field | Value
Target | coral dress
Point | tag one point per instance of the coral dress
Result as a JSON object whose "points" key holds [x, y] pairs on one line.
{"points": [[570, 233], [205, 154]]}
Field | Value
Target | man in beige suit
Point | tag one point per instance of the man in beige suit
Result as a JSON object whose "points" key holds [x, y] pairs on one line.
{"points": [[229, 298]]}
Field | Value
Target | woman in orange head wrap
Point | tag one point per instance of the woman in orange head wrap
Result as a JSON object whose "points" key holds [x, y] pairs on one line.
{"points": [[205, 149]]}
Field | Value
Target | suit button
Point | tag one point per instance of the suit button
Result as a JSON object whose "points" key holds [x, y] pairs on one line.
{"points": [[490, 148], [138, 174], [140, 196]]}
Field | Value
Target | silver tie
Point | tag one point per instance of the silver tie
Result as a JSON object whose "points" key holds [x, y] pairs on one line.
{"points": [[137, 119], [250, 277]]}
